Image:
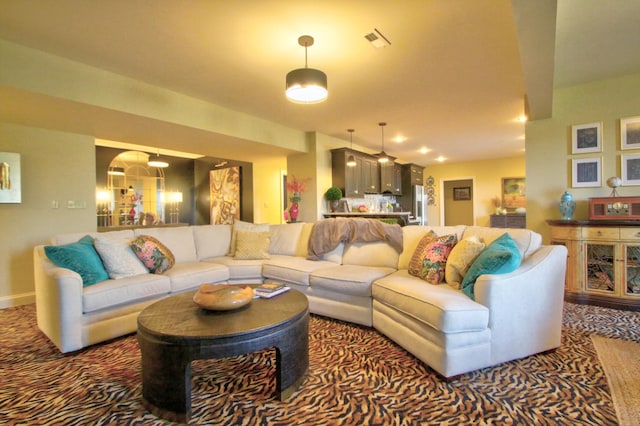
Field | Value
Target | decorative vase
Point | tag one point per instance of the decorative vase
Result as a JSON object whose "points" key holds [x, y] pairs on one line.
{"points": [[293, 211], [567, 206], [333, 205]]}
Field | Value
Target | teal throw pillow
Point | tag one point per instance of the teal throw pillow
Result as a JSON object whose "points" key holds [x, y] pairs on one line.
{"points": [[500, 257], [80, 257]]}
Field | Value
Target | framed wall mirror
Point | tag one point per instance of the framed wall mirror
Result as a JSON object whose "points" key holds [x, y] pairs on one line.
{"points": [[135, 192]]}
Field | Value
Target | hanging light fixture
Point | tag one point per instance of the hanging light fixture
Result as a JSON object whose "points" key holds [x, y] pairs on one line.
{"points": [[306, 85], [351, 160], [116, 171], [382, 157], [157, 161]]}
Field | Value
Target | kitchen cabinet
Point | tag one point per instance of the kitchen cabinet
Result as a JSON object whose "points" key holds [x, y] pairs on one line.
{"points": [[355, 181], [391, 177], [603, 263], [414, 173]]}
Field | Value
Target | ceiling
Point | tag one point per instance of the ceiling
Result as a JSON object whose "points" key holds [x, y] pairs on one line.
{"points": [[452, 82]]}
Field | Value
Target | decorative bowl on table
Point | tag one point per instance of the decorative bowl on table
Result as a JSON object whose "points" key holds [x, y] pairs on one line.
{"points": [[223, 297]]}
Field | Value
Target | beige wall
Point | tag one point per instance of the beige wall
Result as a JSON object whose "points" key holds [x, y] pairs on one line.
{"points": [[55, 167], [488, 176], [267, 190], [548, 144]]}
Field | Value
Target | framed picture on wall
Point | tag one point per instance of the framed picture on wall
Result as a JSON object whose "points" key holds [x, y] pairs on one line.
{"points": [[586, 138], [630, 133], [462, 193], [586, 172], [10, 191], [224, 193], [514, 192], [630, 169]]}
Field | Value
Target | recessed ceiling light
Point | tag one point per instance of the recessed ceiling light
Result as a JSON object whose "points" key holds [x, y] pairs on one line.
{"points": [[424, 150], [399, 139], [522, 119], [440, 159]]}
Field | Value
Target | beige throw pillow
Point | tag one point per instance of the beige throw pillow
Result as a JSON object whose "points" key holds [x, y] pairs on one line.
{"points": [[239, 225], [461, 258], [252, 245]]}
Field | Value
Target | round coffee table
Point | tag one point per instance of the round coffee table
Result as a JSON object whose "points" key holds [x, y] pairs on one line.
{"points": [[175, 331]]}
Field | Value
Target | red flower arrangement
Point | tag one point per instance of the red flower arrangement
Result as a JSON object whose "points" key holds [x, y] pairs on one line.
{"points": [[297, 187]]}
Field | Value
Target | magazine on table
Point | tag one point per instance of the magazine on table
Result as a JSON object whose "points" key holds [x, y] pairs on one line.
{"points": [[272, 293], [270, 287]]}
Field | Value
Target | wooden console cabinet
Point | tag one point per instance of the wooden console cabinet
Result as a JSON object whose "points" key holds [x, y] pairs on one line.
{"points": [[603, 262], [508, 221]]}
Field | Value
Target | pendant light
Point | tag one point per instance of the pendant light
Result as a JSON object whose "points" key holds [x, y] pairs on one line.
{"points": [[306, 85], [351, 160], [157, 161], [382, 157]]}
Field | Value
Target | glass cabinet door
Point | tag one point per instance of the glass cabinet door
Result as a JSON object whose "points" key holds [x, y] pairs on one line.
{"points": [[600, 267], [632, 269]]}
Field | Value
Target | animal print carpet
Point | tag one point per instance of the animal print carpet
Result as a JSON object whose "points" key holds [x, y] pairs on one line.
{"points": [[356, 377]]}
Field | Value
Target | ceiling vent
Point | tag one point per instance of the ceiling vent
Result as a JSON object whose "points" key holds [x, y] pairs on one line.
{"points": [[377, 40]]}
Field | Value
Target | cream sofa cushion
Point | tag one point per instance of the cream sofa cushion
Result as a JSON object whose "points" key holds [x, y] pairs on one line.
{"points": [[211, 240], [354, 280], [285, 237], [438, 306], [377, 253], [527, 241], [111, 293]]}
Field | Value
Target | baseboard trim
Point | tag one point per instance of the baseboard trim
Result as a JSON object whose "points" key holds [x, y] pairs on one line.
{"points": [[17, 300], [604, 301]]}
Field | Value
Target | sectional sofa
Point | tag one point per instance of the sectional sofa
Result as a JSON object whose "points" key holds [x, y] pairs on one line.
{"points": [[514, 314]]}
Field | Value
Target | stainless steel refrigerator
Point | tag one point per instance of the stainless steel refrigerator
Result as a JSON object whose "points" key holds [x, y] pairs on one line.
{"points": [[414, 201]]}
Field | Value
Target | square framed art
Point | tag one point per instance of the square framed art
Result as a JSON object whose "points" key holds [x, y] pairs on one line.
{"points": [[586, 172], [630, 166], [630, 133], [586, 138]]}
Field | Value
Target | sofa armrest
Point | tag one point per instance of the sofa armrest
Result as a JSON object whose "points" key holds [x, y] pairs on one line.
{"points": [[525, 306], [58, 302]]}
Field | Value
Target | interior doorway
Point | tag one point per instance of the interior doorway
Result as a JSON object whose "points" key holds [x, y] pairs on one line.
{"points": [[457, 201]]}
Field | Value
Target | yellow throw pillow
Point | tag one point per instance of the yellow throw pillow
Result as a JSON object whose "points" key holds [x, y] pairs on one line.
{"points": [[239, 225], [252, 245], [461, 258]]}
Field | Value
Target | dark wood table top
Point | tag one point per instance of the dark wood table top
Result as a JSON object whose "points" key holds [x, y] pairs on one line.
{"points": [[177, 318]]}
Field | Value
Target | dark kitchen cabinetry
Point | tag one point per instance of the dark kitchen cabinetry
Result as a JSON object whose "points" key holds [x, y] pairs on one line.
{"points": [[391, 178], [412, 174], [355, 181]]}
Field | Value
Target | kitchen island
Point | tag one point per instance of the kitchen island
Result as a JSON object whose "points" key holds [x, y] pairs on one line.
{"points": [[403, 218]]}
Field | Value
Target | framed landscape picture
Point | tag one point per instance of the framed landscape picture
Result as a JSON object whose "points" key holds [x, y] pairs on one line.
{"points": [[514, 192], [462, 193], [630, 169], [630, 133], [586, 138], [586, 172]]}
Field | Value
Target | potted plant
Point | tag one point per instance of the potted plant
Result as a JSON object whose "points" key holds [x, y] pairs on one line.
{"points": [[333, 195]]}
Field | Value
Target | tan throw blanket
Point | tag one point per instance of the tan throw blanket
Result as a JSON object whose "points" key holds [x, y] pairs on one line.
{"points": [[327, 234]]}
